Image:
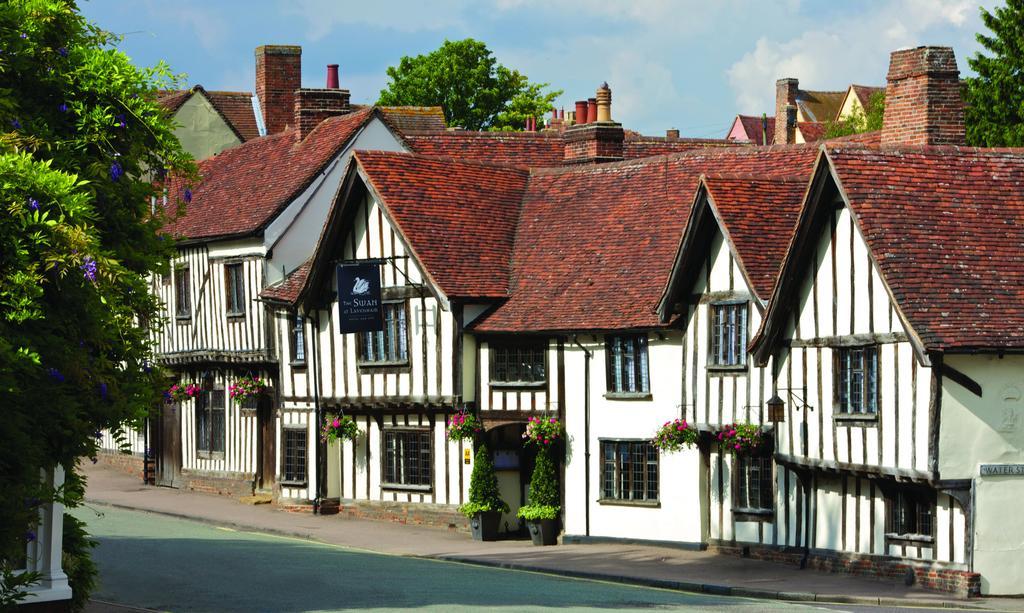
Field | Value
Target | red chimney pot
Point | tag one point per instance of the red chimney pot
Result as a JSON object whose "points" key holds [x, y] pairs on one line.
{"points": [[332, 76], [581, 112], [591, 110]]}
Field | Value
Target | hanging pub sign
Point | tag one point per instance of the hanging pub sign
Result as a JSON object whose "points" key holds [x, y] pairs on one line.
{"points": [[359, 298]]}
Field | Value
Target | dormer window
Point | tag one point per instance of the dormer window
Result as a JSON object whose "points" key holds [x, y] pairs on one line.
{"points": [[728, 335], [856, 380]]}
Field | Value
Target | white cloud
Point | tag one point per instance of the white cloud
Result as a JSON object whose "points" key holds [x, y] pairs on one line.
{"points": [[207, 25], [854, 50]]}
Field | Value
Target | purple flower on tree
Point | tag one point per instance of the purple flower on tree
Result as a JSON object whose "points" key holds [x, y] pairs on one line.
{"points": [[188, 195], [120, 121], [116, 171], [103, 393], [62, 107], [15, 124], [33, 204], [63, 51], [89, 268], [55, 375], [24, 36], [30, 536]]}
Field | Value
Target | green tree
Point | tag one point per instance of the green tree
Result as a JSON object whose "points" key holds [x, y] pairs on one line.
{"points": [[994, 110], [484, 495], [80, 137], [475, 91], [543, 489], [859, 120]]}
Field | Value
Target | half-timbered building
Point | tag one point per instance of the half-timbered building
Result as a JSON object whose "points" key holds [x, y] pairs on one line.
{"points": [[725, 269]]}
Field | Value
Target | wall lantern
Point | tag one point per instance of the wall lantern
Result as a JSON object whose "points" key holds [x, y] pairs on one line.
{"points": [[776, 409]]}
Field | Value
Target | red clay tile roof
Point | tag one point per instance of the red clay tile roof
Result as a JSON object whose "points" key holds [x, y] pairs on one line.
{"points": [[752, 126], [525, 149], [234, 107], [244, 187], [946, 227], [758, 214], [595, 245], [287, 290], [820, 106], [414, 118], [864, 93], [812, 130], [459, 217], [648, 146]]}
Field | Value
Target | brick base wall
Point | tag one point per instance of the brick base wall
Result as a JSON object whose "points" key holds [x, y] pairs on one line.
{"points": [[125, 462], [415, 513], [236, 487], [929, 575]]}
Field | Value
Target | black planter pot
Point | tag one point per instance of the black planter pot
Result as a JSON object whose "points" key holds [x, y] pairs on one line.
{"points": [[485, 526], [543, 531]]}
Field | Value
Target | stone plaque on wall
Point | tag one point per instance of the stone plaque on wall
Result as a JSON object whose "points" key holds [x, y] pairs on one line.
{"points": [[1002, 470]]}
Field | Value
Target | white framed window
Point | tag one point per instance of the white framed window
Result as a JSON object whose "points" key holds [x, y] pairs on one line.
{"points": [[728, 343], [628, 371]]}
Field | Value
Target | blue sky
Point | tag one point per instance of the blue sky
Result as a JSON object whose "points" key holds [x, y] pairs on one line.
{"points": [[686, 64]]}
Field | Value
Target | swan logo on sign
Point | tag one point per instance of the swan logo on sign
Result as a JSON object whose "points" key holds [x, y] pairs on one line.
{"points": [[359, 301]]}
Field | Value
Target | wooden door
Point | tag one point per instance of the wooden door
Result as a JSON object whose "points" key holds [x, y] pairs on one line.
{"points": [[267, 437], [168, 455]]}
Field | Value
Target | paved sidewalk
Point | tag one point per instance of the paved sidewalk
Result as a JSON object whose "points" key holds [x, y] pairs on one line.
{"points": [[637, 564]]}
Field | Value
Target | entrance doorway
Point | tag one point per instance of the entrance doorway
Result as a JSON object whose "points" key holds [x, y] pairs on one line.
{"points": [[266, 426], [168, 445], [513, 464]]}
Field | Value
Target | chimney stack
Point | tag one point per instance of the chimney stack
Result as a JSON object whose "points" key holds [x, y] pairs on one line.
{"points": [[922, 99], [600, 139], [278, 75], [672, 134], [581, 112], [785, 97], [604, 103], [312, 106]]}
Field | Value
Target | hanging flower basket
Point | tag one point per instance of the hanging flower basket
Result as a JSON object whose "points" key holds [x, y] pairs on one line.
{"points": [[544, 431], [675, 436], [246, 389], [462, 426], [339, 428], [180, 392], [742, 438]]}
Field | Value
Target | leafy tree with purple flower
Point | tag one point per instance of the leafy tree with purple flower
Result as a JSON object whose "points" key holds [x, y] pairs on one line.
{"points": [[79, 241]]}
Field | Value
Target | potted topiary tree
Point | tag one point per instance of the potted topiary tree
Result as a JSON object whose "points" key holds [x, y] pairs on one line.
{"points": [[485, 505], [541, 514]]}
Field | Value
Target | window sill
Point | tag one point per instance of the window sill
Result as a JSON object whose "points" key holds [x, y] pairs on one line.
{"points": [[382, 367], [235, 315], [297, 365], [285, 483], [909, 539], [518, 384], [613, 502], [757, 515], [629, 396], [727, 369], [210, 455], [398, 487], [183, 320], [864, 419]]}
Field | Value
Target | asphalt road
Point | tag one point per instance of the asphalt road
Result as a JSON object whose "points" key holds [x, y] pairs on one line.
{"points": [[171, 564]]}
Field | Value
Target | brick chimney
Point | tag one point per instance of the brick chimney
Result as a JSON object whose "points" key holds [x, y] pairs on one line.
{"points": [[785, 122], [278, 75], [922, 98], [315, 105], [600, 140]]}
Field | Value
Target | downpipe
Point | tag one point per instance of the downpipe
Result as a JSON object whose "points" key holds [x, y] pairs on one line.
{"points": [[318, 452]]}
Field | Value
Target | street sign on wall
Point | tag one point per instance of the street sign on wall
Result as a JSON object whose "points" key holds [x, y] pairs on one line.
{"points": [[359, 298]]}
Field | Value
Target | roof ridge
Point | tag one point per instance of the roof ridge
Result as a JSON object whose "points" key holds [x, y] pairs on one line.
{"points": [[446, 158]]}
